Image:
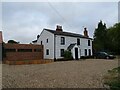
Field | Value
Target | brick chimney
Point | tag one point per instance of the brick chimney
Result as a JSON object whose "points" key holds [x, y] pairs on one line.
{"points": [[85, 32], [59, 28], [1, 39]]}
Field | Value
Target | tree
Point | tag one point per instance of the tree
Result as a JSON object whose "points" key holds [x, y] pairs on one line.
{"points": [[107, 39], [100, 37], [13, 42], [113, 34]]}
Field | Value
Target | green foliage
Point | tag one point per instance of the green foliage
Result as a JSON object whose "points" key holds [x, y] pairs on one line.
{"points": [[68, 55], [113, 35], [13, 42], [107, 39], [112, 79], [100, 37]]}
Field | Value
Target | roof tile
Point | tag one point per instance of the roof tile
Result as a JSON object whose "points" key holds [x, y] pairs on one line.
{"points": [[66, 33]]}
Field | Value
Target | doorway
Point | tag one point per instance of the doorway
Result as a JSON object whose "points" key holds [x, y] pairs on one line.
{"points": [[76, 53]]}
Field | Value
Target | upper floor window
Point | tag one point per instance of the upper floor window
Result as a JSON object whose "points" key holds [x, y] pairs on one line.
{"points": [[46, 40], [78, 41], [88, 42], [62, 40]]}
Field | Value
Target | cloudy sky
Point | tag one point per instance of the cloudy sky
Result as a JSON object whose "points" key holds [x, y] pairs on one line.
{"points": [[23, 21]]}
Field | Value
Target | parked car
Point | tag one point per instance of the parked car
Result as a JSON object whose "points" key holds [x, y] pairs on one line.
{"points": [[103, 55]]}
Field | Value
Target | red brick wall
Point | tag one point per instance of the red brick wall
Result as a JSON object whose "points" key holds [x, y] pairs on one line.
{"points": [[23, 55]]}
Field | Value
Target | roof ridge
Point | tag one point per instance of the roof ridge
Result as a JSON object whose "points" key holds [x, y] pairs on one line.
{"points": [[66, 33], [62, 31]]}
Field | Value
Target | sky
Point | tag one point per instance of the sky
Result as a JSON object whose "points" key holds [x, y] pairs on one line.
{"points": [[23, 21]]}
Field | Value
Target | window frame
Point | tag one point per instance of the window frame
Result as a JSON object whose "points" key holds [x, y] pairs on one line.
{"points": [[47, 52], [89, 43], [78, 41], [89, 52], [85, 52], [47, 40], [62, 41], [62, 52]]}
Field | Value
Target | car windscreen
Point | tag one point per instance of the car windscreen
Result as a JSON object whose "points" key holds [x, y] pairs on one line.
{"points": [[104, 53]]}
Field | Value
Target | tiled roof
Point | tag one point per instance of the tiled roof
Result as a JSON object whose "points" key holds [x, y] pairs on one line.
{"points": [[1, 39], [66, 33]]}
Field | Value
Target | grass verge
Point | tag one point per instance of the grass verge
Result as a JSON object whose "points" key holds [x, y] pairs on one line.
{"points": [[112, 79]]}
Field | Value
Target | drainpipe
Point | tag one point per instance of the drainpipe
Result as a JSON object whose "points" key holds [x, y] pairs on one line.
{"points": [[54, 47]]}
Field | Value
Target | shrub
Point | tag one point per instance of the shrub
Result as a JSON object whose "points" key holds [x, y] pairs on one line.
{"points": [[68, 55], [112, 79]]}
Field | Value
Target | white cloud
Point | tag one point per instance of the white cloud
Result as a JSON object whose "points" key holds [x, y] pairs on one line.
{"points": [[24, 21]]}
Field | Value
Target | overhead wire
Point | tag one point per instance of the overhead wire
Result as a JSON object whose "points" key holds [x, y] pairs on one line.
{"points": [[58, 13]]}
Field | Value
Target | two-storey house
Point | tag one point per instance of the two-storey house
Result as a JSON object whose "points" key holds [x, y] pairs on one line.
{"points": [[57, 41]]}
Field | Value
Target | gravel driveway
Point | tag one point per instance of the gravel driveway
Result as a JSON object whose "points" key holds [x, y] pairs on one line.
{"points": [[65, 74]]}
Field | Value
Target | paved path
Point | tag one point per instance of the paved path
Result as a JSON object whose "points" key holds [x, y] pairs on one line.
{"points": [[68, 74]]}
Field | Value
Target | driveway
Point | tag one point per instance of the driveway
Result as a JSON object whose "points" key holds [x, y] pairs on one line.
{"points": [[65, 74]]}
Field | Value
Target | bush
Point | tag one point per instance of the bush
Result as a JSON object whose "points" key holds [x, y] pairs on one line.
{"points": [[112, 79], [68, 55]]}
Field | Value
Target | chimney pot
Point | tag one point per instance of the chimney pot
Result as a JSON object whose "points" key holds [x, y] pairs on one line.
{"points": [[59, 28], [85, 32]]}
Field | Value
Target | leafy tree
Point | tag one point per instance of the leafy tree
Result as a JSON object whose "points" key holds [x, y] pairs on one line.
{"points": [[113, 34], [13, 42], [100, 37], [107, 39]]}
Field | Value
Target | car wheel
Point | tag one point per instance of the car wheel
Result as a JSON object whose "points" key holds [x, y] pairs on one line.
{"points": [[107, 57]]}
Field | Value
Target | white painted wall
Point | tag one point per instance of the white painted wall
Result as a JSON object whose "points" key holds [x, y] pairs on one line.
{"points": [[50, 45], [68, 40], [84, 45]]}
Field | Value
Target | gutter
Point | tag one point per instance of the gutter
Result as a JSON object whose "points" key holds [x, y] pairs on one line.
{"points": [[54, 47]]}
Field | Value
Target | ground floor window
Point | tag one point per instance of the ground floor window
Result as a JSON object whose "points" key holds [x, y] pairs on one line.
{"points": [[61, 52], [47, 51], [85, 52], [89, 52]]}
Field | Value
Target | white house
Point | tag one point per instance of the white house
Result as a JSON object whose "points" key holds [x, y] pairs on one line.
{"points": [[57, 41]]}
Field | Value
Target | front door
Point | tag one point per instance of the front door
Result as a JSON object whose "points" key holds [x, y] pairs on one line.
{"points": [[76, 53]]}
